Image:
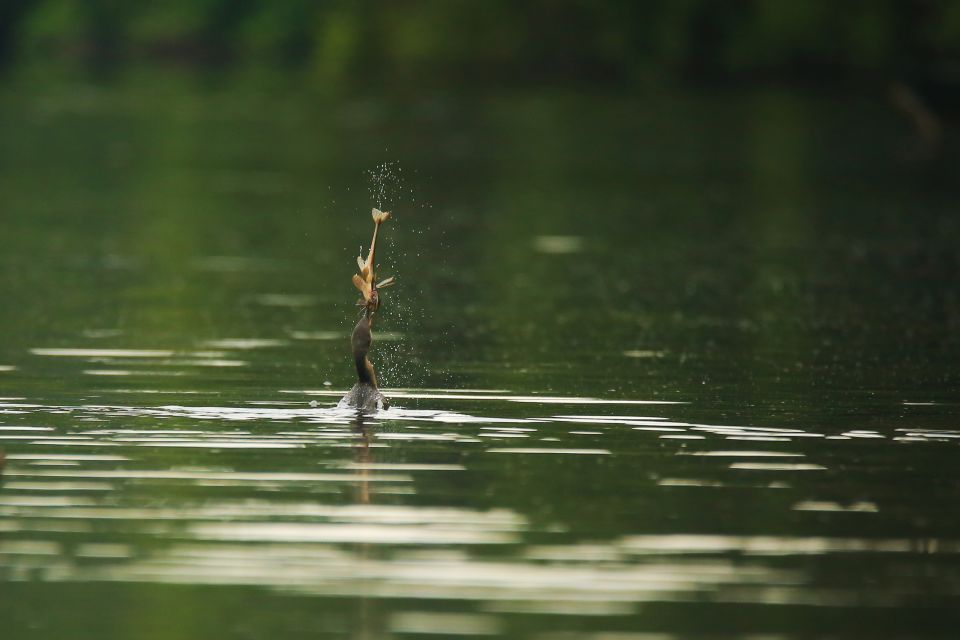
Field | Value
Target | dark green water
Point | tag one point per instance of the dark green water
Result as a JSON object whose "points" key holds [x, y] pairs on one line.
{"points": [[666, 367]]}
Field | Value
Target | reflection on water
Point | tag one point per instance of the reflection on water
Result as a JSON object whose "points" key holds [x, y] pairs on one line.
{"points": [[321, 502], [662, 368]]}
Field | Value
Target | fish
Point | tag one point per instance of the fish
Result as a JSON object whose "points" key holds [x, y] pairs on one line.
{"points": [[364, 281]]}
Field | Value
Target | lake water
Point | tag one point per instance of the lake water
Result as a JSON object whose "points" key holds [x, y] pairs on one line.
{"points": [[663, 366]]}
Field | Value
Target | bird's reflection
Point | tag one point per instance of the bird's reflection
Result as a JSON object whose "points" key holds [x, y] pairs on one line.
{"points": [[367, 623], [362, 458]]}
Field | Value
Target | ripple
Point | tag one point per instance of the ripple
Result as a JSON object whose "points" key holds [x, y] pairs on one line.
{"points": [[103, 550], [212, 362], [640, 353], [744, 454], [244, 343], [276, 494], [320, 335], [781, 545], [301, 559], [231, 476], [433, 623], [558, 245], [827, 506], [774, 466], [689, 482], [104, 353], [68, 456], [370, 534], [555, 451], [467, 395], [58, 486], [399, 466]]}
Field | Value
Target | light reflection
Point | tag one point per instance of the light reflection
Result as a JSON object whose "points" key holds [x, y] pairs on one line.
{"points": [[54, 463], [202, 362], [321, 569], [319, 335], [262, 511], [392, 533], [244, 343], [553, 451], [79, 457], [499, 435], [781, 545], [826, 506], [58, 486], [432, 622], [192, 474], [103, 353], [101, 550], [558, 244], [743, 454], [29, 547], [351, 516], [689, 482], [369, 465], [469, 395], [44, 501], [660, 423], [775, 466], [644, 353], [863, 434]]}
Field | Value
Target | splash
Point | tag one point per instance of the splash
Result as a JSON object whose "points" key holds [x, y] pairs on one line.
{"points": [[387, 185], [400, 360]]}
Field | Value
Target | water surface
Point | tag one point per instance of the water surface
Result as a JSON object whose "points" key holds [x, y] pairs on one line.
{"points": [[663, 367]]}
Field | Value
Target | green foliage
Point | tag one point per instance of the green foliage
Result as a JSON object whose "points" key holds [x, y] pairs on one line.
{"points": [[419, 39]]}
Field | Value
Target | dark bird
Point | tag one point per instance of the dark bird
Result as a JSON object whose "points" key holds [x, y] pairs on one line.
{"points": [[365, 394]]}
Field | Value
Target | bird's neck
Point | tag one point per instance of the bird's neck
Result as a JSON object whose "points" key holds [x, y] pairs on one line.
{"points": [[361, 340], [365, 371]]}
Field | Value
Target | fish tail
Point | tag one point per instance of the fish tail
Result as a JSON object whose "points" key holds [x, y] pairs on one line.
{"points": [[379, 217]]}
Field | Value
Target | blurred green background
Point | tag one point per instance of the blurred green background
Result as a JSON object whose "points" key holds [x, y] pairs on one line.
{"points": [[499, 41]]}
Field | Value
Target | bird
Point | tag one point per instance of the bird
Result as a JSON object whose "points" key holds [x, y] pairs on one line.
{"points": [[365, 394]]}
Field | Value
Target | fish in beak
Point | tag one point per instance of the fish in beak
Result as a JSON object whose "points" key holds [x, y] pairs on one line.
{"points": [[365, 281]]}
